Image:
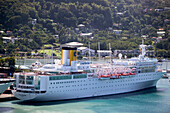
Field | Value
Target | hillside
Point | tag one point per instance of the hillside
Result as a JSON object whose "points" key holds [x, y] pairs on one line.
{"points": [[100, 17]]}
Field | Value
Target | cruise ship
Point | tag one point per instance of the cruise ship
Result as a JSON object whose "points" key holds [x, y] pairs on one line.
{"points": [[74, 80]]}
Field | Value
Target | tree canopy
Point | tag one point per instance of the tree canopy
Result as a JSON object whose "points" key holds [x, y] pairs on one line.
{"points": [[61, 17]]}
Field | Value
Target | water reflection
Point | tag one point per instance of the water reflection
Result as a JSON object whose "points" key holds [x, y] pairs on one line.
{"points": [[6, 109]]}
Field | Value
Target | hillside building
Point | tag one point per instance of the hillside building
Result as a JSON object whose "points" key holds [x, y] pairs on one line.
{"points": [[84, 51]]}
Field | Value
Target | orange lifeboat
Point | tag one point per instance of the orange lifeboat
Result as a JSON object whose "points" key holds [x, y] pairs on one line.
{"points": [[119, 74], [105, 76], [127, 74], [133, 73], [124, 74]]}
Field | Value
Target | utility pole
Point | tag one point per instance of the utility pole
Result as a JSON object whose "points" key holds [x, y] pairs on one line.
{"points": [[99, 49]]}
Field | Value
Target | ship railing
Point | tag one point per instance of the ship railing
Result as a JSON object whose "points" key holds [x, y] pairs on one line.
{"points": [[92, 75], [26, 86], [26, 91], [60, 73], [69, 73], [7, 80]]}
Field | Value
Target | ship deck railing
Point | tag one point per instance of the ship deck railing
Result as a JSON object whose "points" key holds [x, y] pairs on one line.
{"points": [[49, 74], [33, 91]]}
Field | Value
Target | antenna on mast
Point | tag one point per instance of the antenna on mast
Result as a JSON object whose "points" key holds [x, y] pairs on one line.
{"points": [[99, 49], [110, 52], [52, 55], [143, 50], [89, 52], [142, 41]]}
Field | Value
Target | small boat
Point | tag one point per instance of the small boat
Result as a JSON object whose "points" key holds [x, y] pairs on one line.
{"points": [[36, 65], [5, 82]]}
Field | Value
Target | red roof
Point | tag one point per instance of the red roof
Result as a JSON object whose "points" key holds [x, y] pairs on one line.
{"points": [[166, 20], [161, 29]]}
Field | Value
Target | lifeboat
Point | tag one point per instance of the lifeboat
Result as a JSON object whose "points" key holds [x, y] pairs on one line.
{"points": [[128, 73], [113, 74], [133, 73], [119, 74], [105, 76], [124, 75]]}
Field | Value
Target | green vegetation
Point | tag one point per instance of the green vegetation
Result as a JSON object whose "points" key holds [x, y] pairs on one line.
{"points": [[48, 52], [61, 17], [7, 62], [48, 45]]}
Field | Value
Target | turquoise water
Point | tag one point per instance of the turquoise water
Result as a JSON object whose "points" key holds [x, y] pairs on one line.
{"points": [[154, 100]]}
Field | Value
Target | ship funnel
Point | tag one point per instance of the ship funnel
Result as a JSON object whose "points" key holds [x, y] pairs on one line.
{"points": [[68, 54]]}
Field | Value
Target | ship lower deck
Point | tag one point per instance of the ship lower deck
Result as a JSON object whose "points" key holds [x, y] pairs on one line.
{"points": [[64, 95]]}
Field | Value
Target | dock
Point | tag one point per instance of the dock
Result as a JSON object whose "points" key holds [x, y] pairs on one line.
{"points": [[7, 97]]}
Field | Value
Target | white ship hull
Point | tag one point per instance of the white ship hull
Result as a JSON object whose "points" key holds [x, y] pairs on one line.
{"points": [[91, 87]]}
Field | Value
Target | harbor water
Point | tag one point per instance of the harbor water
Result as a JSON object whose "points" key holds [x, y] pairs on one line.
{"points": [[152, 100]]}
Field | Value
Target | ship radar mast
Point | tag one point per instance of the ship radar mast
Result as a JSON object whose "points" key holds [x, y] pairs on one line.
{"points": [[143, 49]]}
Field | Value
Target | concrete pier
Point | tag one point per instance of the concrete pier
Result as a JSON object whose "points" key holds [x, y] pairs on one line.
{"points": [[7, 97]]}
